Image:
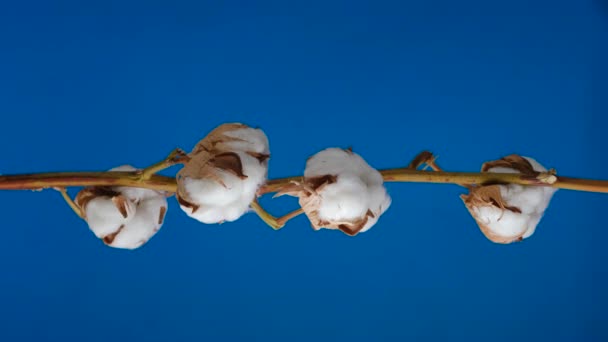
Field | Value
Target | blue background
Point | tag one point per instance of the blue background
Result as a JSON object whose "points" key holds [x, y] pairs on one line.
{"points": [[92, 86]]}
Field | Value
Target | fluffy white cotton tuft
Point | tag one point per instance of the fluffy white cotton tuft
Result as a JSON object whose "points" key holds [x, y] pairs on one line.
{"points": [[511, 212], [341, 191], [224, 174], [104, 216], [123, 217]]}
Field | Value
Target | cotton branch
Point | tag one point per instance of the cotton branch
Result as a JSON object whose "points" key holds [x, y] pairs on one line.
{"points": [[38, 181], [221, 160]]}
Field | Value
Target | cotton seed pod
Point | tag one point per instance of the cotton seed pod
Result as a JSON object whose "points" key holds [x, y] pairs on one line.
{"points": [[507, 213], [123, 217], [224, 173], [340, 191]]}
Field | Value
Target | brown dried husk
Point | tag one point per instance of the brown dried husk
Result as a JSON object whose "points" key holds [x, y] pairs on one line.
{"points": [[310, 201], [87, 194], [513, 161], [215, 141], [210, 158]]}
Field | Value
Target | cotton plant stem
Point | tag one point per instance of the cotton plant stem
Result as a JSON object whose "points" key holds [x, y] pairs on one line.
{"points": [[589, 185], [430, 160], [406, 175], [40, 181]]}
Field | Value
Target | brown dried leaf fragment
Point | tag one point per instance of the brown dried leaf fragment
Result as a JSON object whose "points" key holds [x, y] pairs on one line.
{"points": [[202, 166], [215, 141], [109, 239], [319, 182], [186, 204], [421, 159], [228, 161], [85, 195], [261, 157], [161, 214], [350, 229], [488, 195], [513, 161], [121, 204]]}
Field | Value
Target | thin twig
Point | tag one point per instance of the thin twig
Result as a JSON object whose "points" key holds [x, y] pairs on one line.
{"points": [[75, 207], [274, 222]]}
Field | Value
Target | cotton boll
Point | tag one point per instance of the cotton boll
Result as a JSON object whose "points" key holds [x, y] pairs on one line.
{"points": [[123, 217], [224, 173], [509, 212], [341, 191]]}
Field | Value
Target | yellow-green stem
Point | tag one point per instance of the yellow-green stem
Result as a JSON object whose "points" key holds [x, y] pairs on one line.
{"points": [[70, 202], [162, 183], [38, 181]]}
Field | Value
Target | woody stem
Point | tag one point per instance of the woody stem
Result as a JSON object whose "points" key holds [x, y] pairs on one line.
{"points": [[407, 175], [161, 183], [430, 160]]}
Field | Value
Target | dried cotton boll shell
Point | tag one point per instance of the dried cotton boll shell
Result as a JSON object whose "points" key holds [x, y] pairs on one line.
{"points": [[123, 217], [224, 173], [233, 137], [341, 191], [507, 213]]}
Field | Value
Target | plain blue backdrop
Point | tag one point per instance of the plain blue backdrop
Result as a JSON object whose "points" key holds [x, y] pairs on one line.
{"points": [[89, 86]]}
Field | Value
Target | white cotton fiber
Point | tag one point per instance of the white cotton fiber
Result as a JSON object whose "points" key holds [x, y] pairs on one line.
{"points": [[104, 218], [343, 200], [145, 223]]}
